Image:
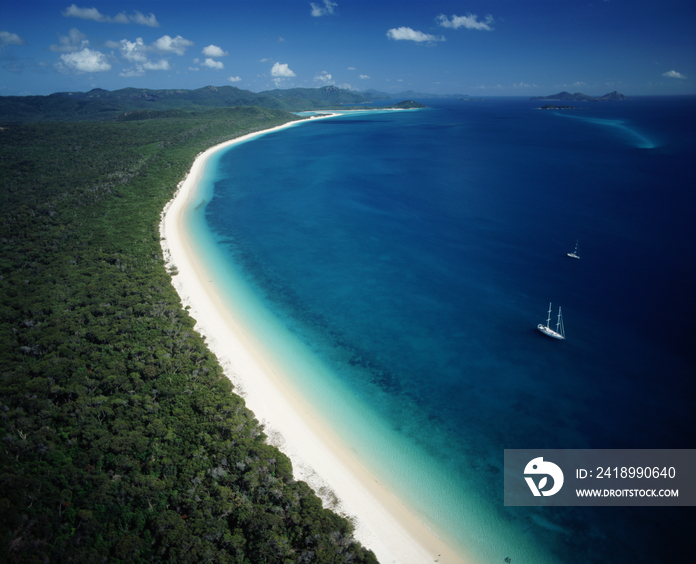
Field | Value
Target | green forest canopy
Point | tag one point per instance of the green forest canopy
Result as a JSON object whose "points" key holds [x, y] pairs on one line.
{"points": [[104, 105], [100, 104], [122, 440]]}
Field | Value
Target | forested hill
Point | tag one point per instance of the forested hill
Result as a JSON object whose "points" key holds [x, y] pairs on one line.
{"points": [[122, 440], [99, 104], [580, 97]]}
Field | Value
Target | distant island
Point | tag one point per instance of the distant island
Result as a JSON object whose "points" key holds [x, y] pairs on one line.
{"points": [[580, 97], [552, 107], [406, 105], [403, 105]]}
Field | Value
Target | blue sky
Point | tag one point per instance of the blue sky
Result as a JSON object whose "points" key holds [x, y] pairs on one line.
{"points": [[479, 48]]}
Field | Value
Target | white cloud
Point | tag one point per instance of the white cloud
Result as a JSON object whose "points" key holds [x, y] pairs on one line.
{"points": [[351, 68], [123, 18], [364, 76], [176, 44], [673, 74], [137, 70], [214, 51], [324, 77], [69, 43], [234, 79], [318, 11], [134, 51], [142, 19], [83, 61], [213, 64], [138, 52], [282, 71], [469, 22], [408, 34], [162, 64], [7, 38], [85, 14]]}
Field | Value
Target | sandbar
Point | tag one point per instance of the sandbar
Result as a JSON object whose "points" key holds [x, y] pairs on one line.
{"points": [[382, 522]]}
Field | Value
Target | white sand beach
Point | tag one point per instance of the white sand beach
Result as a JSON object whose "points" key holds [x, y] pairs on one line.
{"points": [[382, 522]]}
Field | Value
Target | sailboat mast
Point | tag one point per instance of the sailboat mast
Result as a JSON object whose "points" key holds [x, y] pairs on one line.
{"points": [[559, 333], [558, 323]]}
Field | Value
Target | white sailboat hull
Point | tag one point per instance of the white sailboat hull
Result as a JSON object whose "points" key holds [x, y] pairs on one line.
{"points": [[574, 254], [550, 332]]}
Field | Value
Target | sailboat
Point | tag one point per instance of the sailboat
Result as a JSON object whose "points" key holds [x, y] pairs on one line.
{"points": [[575, 254], [559, 333]]}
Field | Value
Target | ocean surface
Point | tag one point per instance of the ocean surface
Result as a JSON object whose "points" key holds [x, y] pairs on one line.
{"points": [[398, 264]]}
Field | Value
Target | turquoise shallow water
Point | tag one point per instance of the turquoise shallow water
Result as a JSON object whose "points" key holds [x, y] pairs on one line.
{"points": [[398, 264]]}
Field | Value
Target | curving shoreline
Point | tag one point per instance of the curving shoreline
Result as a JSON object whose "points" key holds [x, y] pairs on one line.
{"points": [[382, 522]]}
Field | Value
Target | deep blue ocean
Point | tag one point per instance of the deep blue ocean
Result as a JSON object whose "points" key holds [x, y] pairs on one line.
{"points": [[415, 252]]}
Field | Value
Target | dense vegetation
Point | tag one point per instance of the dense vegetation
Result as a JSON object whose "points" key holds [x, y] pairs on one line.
{"points": [[99, 104], [105, 105], [121, 438]]}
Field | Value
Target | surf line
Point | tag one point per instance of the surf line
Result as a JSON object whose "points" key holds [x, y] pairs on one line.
{"points": [[641, 141]]}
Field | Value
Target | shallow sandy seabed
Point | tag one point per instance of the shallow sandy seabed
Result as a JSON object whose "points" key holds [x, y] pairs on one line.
{"points": [[382, 522]]}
